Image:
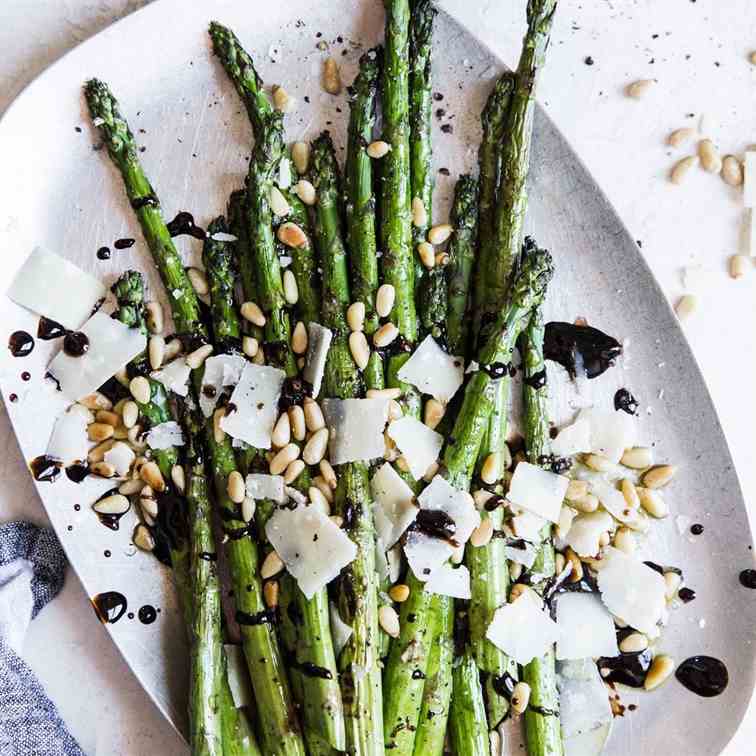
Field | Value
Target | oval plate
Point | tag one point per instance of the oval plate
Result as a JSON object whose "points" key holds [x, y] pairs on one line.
{"points": [[62, 193]]}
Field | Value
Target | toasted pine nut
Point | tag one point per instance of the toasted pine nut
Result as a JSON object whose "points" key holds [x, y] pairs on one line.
{"points": [[597, 462], [283, 459], [251, 311], [490, 472], [96, 401], [271, 566], [281, 434], [328, 473], [196, 358], [431, 472], [300, 154], [419, 213], [638, 457], [732, 170], [359, 349], [143, 538], [282, 101], [442, 259], [331, 76], [299, 339], [652, 502], [97, 453], [482, 535], [290, 289], [427, 254], [738, 266], [385, 393], [633, 643], [278, 203], [321, 484], [173, 348], [672, 583], [198, 280], [440, 233], [140, 389], [305, 191], [100, 432], [297, 421], [385, 335], [270, 594], [108, 417], [315, 448], [516, 591], [624, 540], [293, 471], [313, 415], [356, 316], [151, 475], [292, 235], [317, 500], [250, 345], [130, 414], [681, 169], [399, 592], [130, 487], [709, 156], [377, 150], [515, 570], [156, 351], [520, 697], [395, 410], [661, 668], [235, 487], [576, 490], [630, 493], [679, 136], [401, 464], [433, 413], [638, 89], [577, 567], [384, 300], [389, 620], [658, 476], [218, 433], [178, 476], [154, 317], [480, 497]]}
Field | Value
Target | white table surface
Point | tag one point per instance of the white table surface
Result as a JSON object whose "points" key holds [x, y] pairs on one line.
{"points": [[697, 50]]}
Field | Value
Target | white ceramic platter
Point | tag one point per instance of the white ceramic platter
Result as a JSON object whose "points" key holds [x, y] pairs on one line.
{"points": [[59, 192]]}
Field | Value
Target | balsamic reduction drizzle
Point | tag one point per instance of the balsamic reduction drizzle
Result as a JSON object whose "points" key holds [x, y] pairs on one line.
{"points": [[76, 472], [183, 225], [566, 342], [703, 675], [45, 469], [48, 329], [625, 401], [109, 606], [21, 343], [103, 253], [748, 579], [75, 343], [124, 243]]}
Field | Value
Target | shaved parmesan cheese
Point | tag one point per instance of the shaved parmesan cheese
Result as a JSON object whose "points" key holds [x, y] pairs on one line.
{"points": [[611, 431], [313, 548], [255, 403], [528, 526], [425, 554], [586, 627], [356, 429], [68, 442], [573, 439], [522, 629], [262, 486], [111, 346], [165, 435], [52, 286], [450, 581], [583, 536], [433, 371], [284, 173], [523, 553], [614, 502], [340, 631], [238, 677], [394, 559], [174, 376], [121, 456], [296, 496], [632, 591], [419, 444], [749, 179], [395, 508], [537, 490], [590, 743], [318, 344], [221, 372]]}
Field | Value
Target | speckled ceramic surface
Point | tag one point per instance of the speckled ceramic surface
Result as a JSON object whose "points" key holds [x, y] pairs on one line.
{"points": [[67, 197]]}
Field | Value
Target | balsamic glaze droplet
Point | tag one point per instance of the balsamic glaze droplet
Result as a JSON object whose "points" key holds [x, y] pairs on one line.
{"points": [[49, 329], [686, 595], [625, 401], [75, 344], [183, 224], [21, 343], [436, 524], [103, 253], [147, 614], [45, 469], [564, 342], [696, 528], [13, 397], [703, 675], [26, 375], [748, 579], [124, 243], [109, 606], [77, 472]]}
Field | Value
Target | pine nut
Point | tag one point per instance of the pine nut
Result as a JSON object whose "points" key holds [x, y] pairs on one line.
{"points": [[293, 471], [130, 414], [315, 448], [661, 668], [490, 471], [198, 280], [251, 311], [738, 266], [576, 490], [494, 742], [440, 233], [385, 393], [433, 413], [672, 583], [96, 401], [313, 415], [135, 438], [103, 469], [482, 535], [140, 389], [281, 434], [638, 89], [630, 493], [732, 171], [385, 335], [419, 213], [337, 520], [638, 457], [678, 137], [633, 643], [431, 472], [515, 570], [681, 169], [290, 289], [97, 453], [271, 566], [149, 504], [299, 339], [297, 422], [120, 432], [142, 538], [520, 697], [389, 620], [292, 235], [130, 487], [399, 593], [250, 345], [282, 101], [331, 76], [355, 315], [100, 432], [395, 410], [659, 475], [259, 358], [178, 476], [270, 594], [151, 475], [108, 417], [427, 254], [577, 566], [384, 300], [624, 540], [597, 462], [197, 358], [154, 317], [218, 433], [323, 487], [116, 504], [604, 539], [709, 156], [156, 351], [379, 149], [300, 154], [516, 591], [359, 349], [317, 500], [442, 259], [652, 502], [283, 459], [328, 473], [480, 497], [305, 191], [173, 348], [235, 487], [278, 203]]}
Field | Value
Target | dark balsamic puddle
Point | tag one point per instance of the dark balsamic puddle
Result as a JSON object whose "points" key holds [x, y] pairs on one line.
{"points": [[147, 614], [568, 344], [21, 344], [703, 675], [45, 469]]}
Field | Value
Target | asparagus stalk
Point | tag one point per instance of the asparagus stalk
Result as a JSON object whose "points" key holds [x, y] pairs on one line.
{"points": [[358, 595], [542, 728], [278, 723], [467, 719], [360, 203]]}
